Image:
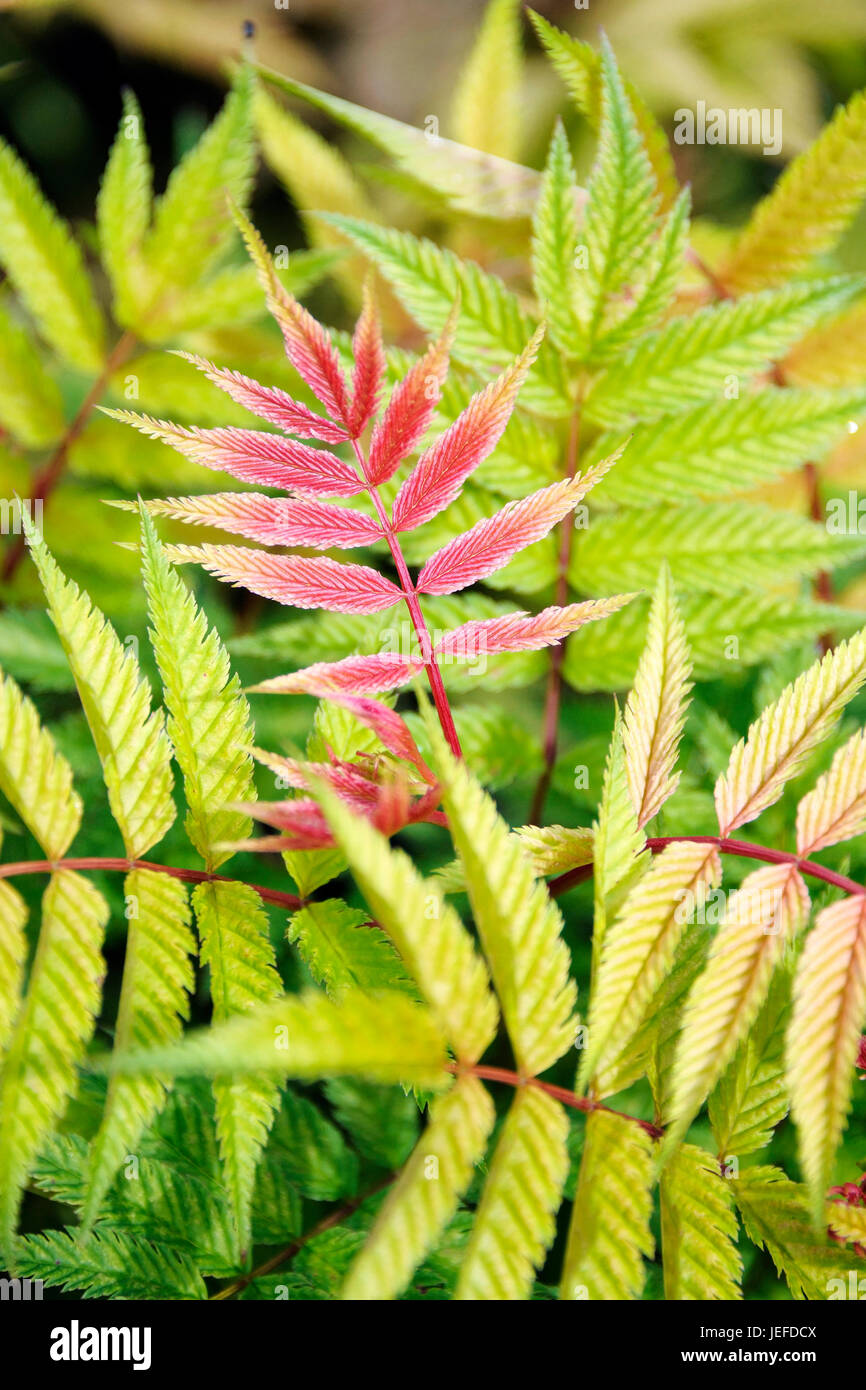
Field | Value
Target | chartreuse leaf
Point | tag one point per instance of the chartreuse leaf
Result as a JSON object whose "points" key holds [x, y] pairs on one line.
{"points": [[828, 1018], [426, 1194], [554, 241], [13, 953], [751, 1097], [619, 217], [486, 108], [776, 1216], [388, 1039], [343, 949], [696, 358], [46, 267], [655, 710], [809, 207], [846, 1220], [721, 547], [34, 777], [157, 979], [553, 849], [618, 846], [610, 1221], [760, 917], [723, 446], [433, 942], [579, 66], [469, 180], [123, 211], [52, 1030], [655, 287], [209, 718], [31, 409], [492, 327], [129, 736], [192, 223], [514, 1224], [699, 1229], [109, 1264], [518, 923], [639, 948], [236, 945]]}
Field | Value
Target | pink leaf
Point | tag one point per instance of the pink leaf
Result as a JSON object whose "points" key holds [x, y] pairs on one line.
{"points": [[442, 469], [302, 819], [409, 411], [254, 456], [369, 373], [295, 579], [517, 633], [390, 727], [353, 675], [273, 520], [352, 784], [491, 543], [269, 402], [311, 352]]}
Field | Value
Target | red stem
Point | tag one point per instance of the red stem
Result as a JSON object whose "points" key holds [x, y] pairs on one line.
{"points": [[50, 866], [560, 1093], [742, 848], [434, 675]]}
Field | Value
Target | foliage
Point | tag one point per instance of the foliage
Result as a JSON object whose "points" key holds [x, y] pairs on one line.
{"points": [[365, 1083]]}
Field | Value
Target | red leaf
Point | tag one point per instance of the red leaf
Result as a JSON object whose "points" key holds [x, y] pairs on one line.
{"points": [[409, 411], [273, 520], [369, 372], [295, 579], [391, 729], [442, 469], [269, 402], [491, 543], [517, 633], [302, 818], [354, 674], [254, 456], [311, 352]]}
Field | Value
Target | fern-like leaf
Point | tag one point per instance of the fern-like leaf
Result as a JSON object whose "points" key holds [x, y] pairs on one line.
{"points": [[776, 1217], [752, 1095], [34, 777], [514, 1224], [836, 809], [109, 1265], [343, 950], [699, 1230], [123, 211], [426, 1194], [824, 1035], [13, 953]]}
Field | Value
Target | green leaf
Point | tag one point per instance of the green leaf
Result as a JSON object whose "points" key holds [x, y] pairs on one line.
{"points": [[700, 357], [382, 1120], [433, 942], [34, 777], [123, 211], [619, 856], [723, 446], [777, 1217], [344, 950], [157, 979], [109, 1264], [31, 408], [388, 1039], [610, 1232], [13, 954], [492, 328], [514, 1224], [751, 1097], [46, 268], [426, 1194], [129, 736], [192, 224], [486, 103], [621, 205], [518, 923], [209, 718], [721, 547], [51, 1032], [236, 945], [655, 286], [554, 239], [699, 1230], [307, 1151]]}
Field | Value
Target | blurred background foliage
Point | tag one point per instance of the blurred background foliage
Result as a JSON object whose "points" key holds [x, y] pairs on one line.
{"points": [[63, 67]]}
